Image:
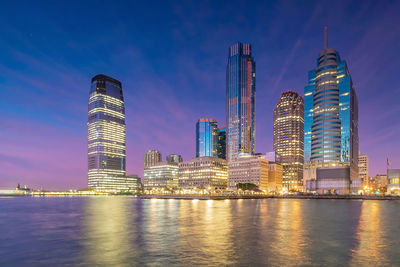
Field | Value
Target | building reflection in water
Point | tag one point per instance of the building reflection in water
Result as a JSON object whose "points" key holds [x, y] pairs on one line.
{"points": [[106, 230], [370, 234]]}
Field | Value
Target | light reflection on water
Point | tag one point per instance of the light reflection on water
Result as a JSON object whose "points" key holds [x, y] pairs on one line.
{"points": [[126, 231]]}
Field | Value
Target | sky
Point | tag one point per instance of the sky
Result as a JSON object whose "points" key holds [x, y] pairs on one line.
{"points": [[171, 58]]}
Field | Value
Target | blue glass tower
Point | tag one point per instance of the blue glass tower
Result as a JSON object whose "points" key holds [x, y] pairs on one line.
{"points": [[308, 114], [240, 101], [206, 138]]}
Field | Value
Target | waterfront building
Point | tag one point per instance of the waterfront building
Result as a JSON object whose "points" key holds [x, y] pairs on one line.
{"points": [[161, 175], [221, 146], [206, 138], [174, 158], [289, 138], [250, 169], [151, 158], [240, 101], [134, 183], [393, 176], [309, 91], [378, 183], [106, 135], [334, 127], [203, 173], [363, 168], [275, 177]]}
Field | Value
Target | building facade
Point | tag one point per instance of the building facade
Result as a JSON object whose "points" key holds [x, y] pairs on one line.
{"points": [[221, 146], [151, 158], [363, 167], [240, 101], [334, 126], [161, 175], [206, 138], [174, 158], [393, 176], [203, 173], [289, 138], [106, 135], [248, 169], [275, 177]]}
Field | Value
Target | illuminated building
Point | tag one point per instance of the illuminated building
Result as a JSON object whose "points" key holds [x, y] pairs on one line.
{"points": [[275, 177], [393, 176], [161, 175], [106, 135], [363, 166], [334, 127], [309, 91], [174, 158], [221, 146], [206, 138], [203, 173], [151, 158], [289, 138], [378, 182], [248, 168], [240, 101], [134, 183]]}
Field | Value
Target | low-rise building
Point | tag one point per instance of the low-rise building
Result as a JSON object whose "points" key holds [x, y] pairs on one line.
{"points": [[275, 177], [393, 176], [252, 169], [203, 173], [134, 183], [161, 175]]}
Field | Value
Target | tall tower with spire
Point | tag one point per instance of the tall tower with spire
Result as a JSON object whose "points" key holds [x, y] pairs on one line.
{"points": [[331, 113]]}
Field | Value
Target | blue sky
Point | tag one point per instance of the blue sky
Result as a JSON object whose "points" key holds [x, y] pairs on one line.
{"points": [[171, 57]]}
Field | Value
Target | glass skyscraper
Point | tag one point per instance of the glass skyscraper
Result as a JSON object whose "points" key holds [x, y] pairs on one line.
{"points": [[289, 138], [240, 101], [206, 138], [308, 114], [106, 135], [221, 147]]}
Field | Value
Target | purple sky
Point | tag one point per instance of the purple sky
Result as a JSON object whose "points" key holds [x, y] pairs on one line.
{"points": [[171, 57]]}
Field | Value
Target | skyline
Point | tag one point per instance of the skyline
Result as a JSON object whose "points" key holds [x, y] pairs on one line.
{"points": [[164, 98]]}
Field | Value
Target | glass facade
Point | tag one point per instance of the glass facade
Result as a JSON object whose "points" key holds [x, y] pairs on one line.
{"points": [[106, 135], [221, 147], [240, 101], [289, 138], [309, 91], [206, 138], [174, 158]]}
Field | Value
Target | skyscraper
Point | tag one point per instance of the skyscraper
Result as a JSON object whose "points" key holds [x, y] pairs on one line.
{"points": [[206, 138], [151, 158], [174, 158], [221, 146], [363, 167], [289, 138], [334, 126], [106, 135], [240, 101]]}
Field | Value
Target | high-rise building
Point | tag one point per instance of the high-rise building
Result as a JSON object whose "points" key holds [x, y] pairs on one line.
{"points": [[248, 169], [106, 135], [240, 101], [151, 158], [289, 138], [206, 138], [334, 127], [174, 158], [161, 175], [275, 177], [309, 91], [221, 146], [203, 173], [363, 167]]}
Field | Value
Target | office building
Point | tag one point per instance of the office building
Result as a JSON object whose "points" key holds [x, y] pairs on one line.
{"points": [[134, 182], [363, 168], [161, 175], [334, 127], [289, 138], [378, 183], [221, 146], [393, 176], [203, 173], [240, 101], [106, 135], [275, 177], [151, 158], [174, 158], [248, 169], [206, 138]]}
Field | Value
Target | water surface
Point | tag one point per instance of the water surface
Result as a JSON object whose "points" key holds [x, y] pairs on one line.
{"points": [[126, 231]]}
